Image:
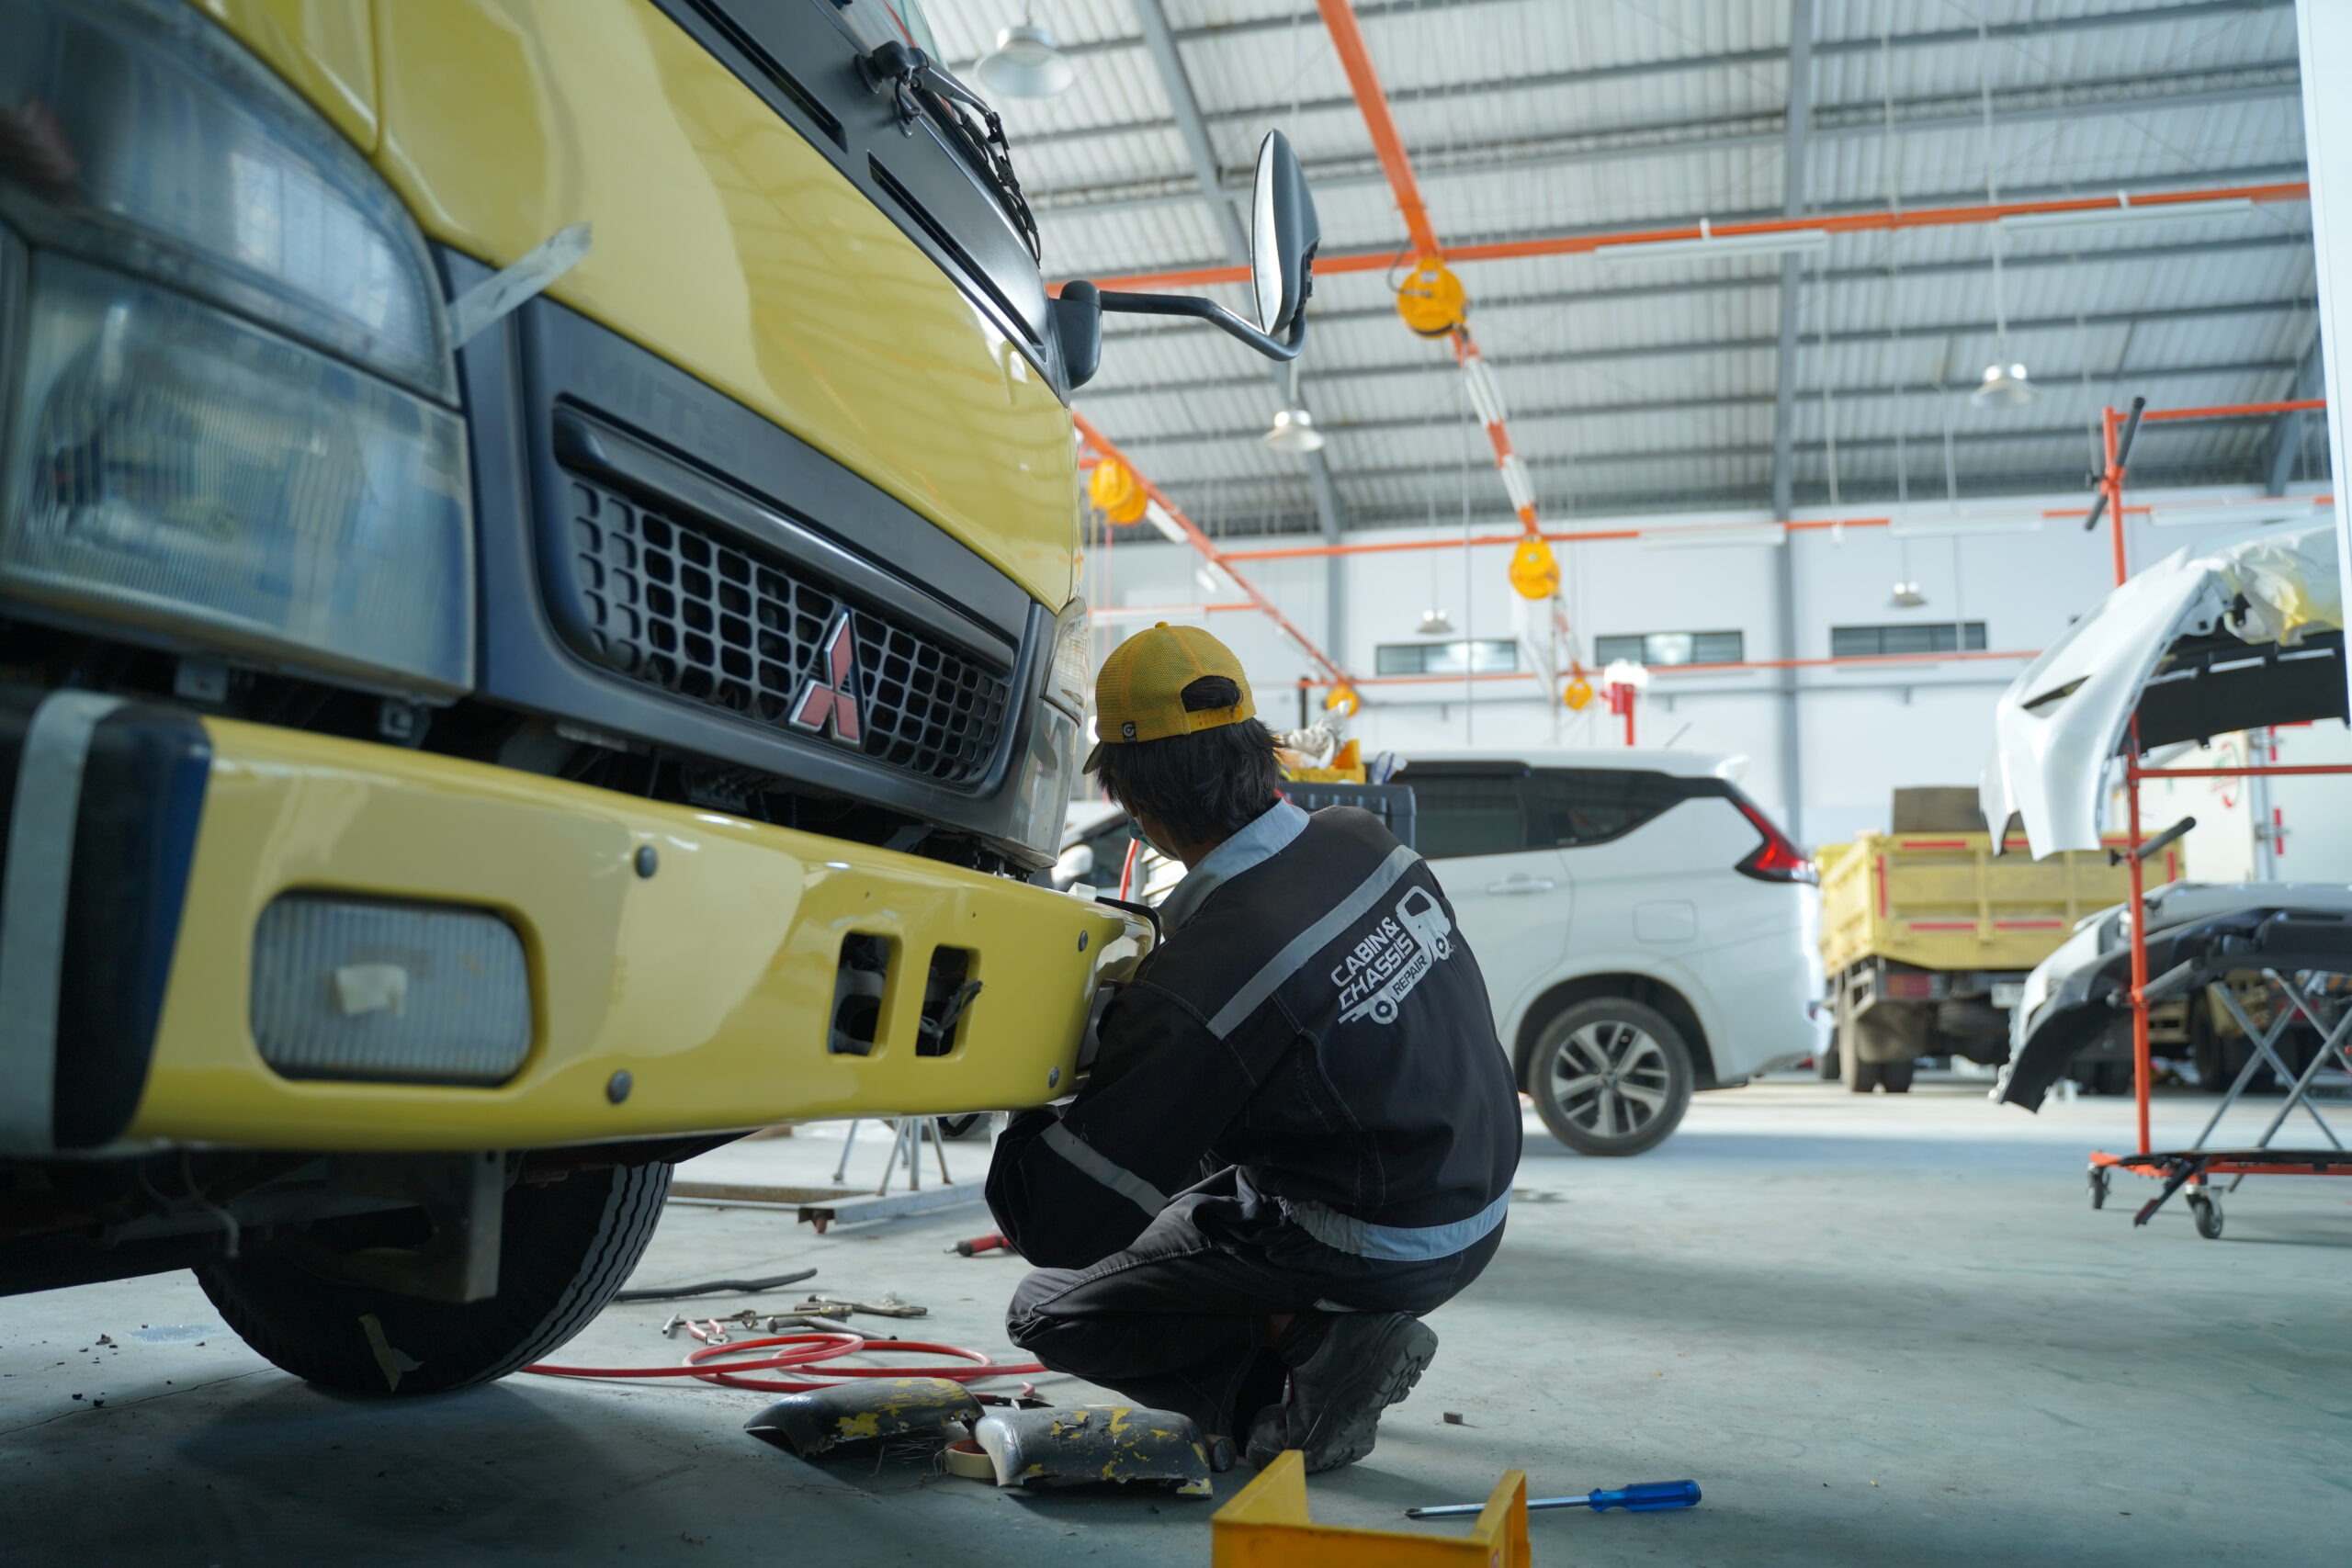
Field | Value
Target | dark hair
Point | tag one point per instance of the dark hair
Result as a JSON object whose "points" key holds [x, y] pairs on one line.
{"points": [[1206, 784]]}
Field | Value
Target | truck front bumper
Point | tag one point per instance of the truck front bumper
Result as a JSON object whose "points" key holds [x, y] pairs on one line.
{"points": [[681, 965]]}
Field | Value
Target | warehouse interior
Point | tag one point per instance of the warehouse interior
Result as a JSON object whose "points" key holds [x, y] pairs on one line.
{"points": [[1809, 522]]}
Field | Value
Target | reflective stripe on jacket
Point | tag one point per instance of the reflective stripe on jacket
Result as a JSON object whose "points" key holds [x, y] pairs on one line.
{"points": [[1317, 1020]]}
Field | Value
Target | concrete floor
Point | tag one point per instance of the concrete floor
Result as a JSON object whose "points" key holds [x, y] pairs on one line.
{"points": [[1880, 1331]]}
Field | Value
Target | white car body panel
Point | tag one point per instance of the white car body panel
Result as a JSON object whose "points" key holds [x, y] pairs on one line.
{"points": [[2061, 723]]}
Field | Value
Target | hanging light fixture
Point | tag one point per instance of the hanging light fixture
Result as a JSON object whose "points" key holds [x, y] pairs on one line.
{"points": [[1434, 624], [1025, 63], [2004, 386], [1906, 596], [1294, 431]]}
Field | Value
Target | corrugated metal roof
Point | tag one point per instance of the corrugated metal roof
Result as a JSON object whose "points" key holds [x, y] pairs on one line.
{"points": [[1643, 383]]}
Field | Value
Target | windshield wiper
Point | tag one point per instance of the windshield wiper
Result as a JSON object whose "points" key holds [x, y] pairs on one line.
{"points": [[910, 75]]}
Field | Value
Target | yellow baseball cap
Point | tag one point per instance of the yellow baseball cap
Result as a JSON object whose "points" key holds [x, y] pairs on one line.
{"points": [[1139, 693]]}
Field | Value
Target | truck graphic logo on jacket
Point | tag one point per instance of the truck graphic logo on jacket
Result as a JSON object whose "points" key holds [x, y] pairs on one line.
{"points": [[1381, 970]]}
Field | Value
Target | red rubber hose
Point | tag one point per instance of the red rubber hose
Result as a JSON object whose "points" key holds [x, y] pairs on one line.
{"points": [[814, 1349]]}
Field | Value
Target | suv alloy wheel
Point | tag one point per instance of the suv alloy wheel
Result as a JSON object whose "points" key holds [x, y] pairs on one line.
{"points": [[1610, 1077]]}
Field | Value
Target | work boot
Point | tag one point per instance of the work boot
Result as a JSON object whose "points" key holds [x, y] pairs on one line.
{"points": [[1361, 1364]]}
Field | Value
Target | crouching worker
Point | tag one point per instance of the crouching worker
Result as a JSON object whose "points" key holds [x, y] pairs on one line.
{"points": [[1299, 1132]]}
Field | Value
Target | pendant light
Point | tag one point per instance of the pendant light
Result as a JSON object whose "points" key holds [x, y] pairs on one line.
{"points": [[1294, 428], [1433, 624], [1025, 63], [2005, 385]]}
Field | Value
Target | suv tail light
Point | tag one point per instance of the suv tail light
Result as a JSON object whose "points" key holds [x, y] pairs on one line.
{"points": [[1776, 859]]}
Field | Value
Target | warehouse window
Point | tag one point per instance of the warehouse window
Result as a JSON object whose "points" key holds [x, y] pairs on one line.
{"points": [[1944, 636], [1672, 647], [1485, 656]]}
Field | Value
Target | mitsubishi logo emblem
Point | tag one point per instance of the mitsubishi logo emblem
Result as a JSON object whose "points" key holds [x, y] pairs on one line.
{"points": [[827, 698]]}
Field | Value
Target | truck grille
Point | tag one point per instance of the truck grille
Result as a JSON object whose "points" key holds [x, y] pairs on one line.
{"points": [[725, 624]]}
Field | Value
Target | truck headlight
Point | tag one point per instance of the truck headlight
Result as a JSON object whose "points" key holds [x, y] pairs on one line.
{"points": [[1057, 739], [231, 416]]}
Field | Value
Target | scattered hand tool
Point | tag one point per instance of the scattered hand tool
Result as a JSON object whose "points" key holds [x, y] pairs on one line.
{"points": [[880, 1306], [1648, 1497], [973, 1246]]}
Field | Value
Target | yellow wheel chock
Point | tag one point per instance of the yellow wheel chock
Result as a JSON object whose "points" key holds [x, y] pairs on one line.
{"points": [[1267, 1527]]}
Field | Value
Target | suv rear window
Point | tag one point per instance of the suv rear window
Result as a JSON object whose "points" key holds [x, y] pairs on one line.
{"points": [[1466, 814], [1569, 807], [1500, 809]]}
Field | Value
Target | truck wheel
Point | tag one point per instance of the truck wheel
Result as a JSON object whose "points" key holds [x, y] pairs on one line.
{"points": [[2107, 1077], [568, 1245], [1826, 1064], [1610, 1077], [1881, 1047]]}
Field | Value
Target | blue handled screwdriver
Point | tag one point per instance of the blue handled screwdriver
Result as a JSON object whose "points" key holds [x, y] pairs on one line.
{"points": [[1648, 1497]]}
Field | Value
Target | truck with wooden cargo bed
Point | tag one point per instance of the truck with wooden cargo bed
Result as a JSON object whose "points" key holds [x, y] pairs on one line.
{"points": [[538, 634], [1927, 936]]}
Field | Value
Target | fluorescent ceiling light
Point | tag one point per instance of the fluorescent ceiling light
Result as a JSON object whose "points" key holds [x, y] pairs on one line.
{"points": [[1707, 538], [2266, 509], [1157, 515], [1515, 484], [1485, 396], [2167, 211], [1955, 524], [1709, 244]]}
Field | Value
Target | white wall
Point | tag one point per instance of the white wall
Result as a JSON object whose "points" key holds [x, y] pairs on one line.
{"points": [[1863, 730]]}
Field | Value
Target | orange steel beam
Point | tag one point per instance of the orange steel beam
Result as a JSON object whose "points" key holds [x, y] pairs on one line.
{"points": [[2234, 411], [1327, 264], [1589, 536], [1347, 39], [1103, 446], [1363, 80], [1717, 669]]}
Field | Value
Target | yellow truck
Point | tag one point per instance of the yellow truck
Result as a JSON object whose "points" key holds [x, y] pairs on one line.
{"points": [[537, 633], [1927, 936]]}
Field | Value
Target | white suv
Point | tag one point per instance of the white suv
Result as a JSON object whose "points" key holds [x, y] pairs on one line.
{"points": [[1643, 928]]}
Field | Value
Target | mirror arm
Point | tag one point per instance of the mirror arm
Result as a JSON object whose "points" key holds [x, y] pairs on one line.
{"points": [[1216, 315]]}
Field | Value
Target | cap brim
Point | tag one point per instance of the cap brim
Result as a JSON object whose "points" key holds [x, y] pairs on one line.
{"points": [[1094, 759]]}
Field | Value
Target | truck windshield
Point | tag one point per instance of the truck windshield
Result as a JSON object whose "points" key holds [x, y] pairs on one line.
{"points": [[877, 22], [962, 116]]}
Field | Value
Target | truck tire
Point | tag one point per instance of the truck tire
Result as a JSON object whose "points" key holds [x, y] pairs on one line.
{"points": [[1879, 1047], [1610, 1077], [568, 1245]]}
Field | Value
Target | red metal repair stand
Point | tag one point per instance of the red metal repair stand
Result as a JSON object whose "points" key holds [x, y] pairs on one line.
{"points": [[2193, 1168]]}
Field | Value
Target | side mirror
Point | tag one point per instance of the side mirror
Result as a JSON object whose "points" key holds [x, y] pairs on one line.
{"points": [[1283, 235]]}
